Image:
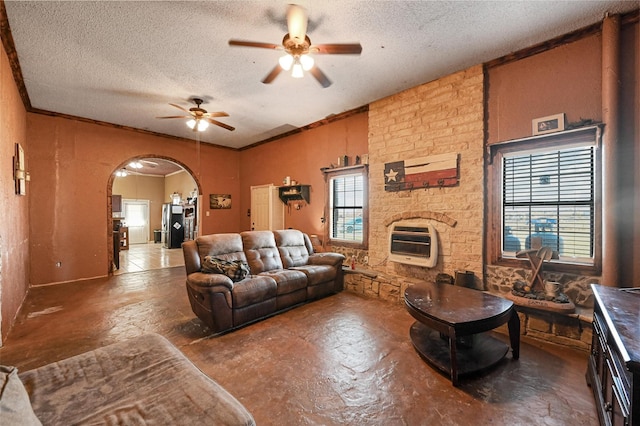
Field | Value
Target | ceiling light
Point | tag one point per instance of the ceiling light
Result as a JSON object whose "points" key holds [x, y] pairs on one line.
{"points": [[121, 173], [201, 125], [135, 165], [307, 62], [285, 62], [297, 70]]}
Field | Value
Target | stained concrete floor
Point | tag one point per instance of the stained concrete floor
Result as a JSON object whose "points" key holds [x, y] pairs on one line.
{"points": [[341, 360]]}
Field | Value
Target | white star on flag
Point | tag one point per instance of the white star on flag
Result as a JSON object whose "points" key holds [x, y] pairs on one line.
{"points": [[391, 176]]}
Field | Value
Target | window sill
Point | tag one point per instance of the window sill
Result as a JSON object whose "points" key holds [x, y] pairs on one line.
{"points": [[568, 268]]}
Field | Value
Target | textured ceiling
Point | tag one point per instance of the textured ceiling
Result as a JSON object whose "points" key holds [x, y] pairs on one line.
{"points": [[124, 62]]}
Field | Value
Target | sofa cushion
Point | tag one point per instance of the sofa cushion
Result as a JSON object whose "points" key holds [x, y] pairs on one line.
{"points": [[292, 247], [236, 270], [255, 289], [261, 251], [15, 406], [317, 274], [223, 246], [287, 280], [142, 381]]}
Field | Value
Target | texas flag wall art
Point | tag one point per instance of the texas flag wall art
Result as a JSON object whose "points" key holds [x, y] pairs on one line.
{"points": [[434, 171]]}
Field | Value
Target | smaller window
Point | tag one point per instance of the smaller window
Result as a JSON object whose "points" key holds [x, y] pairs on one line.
{"points": [[347, 207]]}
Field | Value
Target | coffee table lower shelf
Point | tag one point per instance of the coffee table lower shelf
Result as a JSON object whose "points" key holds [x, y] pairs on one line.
{"points": [[483, 351]]}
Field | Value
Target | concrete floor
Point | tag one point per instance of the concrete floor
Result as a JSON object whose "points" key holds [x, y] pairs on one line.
{"points": [[344, 359]]}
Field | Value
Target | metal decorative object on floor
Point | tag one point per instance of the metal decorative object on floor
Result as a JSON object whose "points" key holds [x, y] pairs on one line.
{"points": [[538, 293]]}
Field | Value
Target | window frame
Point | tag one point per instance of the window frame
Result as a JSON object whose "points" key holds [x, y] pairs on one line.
{"points": [[330, 174], [494, 207]]}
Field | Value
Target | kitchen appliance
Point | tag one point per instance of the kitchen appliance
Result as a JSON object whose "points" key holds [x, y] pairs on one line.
{"points": [[172, 225]]}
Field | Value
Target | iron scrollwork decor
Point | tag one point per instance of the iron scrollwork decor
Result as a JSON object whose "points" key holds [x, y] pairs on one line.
{"points": [[435, 171]]}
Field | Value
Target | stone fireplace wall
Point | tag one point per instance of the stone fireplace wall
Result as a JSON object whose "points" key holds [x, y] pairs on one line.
{"points": [[440, 117]]}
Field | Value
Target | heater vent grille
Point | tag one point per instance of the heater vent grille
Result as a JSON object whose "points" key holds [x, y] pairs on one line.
{"points": [[413, 244]]}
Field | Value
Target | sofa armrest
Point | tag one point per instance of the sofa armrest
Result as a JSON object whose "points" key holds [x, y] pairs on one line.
{"points": [[191, 256], [210, 281], [332, 259]]}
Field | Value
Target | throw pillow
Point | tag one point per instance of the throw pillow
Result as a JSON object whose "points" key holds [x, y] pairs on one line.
{"points": [[15, 406], [237, 270]]}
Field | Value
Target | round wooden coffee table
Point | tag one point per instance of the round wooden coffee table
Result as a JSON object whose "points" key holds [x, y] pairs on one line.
{"points": [[451, 323]]}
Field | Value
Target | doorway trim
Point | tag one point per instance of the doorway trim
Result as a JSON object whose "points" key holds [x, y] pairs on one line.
{"points": [[109, 191]]}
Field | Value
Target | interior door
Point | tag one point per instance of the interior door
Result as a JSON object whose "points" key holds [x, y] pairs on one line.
{"points": [[136, 216], [260, 205]]}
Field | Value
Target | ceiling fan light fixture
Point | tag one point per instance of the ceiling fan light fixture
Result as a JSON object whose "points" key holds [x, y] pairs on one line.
{"points": [[135, 165], [307, 62], [197, 125], [285, 62], [297, 71], [202, 125], [121, 173]]}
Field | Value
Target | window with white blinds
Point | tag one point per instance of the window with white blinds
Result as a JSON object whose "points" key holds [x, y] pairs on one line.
{"points": [[347, 207], [548, 199]]}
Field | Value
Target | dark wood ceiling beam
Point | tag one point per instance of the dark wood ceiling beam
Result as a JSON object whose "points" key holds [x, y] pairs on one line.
{"points": [[625, 19]]}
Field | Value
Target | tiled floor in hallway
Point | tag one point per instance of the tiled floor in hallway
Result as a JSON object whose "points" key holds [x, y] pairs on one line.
{"points": [[145, 257]]}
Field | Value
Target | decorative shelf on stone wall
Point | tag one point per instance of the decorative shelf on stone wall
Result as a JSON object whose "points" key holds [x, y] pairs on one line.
{"points": [[295, 193]]}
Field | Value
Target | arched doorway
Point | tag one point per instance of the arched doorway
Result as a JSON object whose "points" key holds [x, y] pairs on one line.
{"points": [[137, 190]]}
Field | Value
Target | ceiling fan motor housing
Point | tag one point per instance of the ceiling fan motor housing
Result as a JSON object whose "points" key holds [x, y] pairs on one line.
{"points": [[296, 49]]}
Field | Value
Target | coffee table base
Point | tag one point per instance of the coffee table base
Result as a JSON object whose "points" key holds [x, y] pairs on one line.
{"points": [[482, 353]]}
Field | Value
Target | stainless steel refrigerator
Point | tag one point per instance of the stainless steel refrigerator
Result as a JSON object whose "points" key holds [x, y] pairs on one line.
{"points": [[172, 225]]}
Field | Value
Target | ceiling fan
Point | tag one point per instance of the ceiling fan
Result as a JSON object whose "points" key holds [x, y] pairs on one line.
{"points": [[298, 47], [199, 119]]}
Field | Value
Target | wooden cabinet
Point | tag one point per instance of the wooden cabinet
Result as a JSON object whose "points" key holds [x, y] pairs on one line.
{"points": [[116, 203], [614, 363]]}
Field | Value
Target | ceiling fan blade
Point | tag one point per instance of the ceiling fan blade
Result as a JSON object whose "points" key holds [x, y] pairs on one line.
{"points": [[339, 49], [180, 108], [176, 116], [297, 22], [320, 76], [254, 44], [215, 114], [217, 123], [272, 75]]}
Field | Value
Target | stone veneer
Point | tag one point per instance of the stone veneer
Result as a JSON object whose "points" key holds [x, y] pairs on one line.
{"points": [[440, 117]]}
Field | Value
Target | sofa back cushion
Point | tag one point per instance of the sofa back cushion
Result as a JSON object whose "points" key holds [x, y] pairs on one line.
{"points": [[222, 246], [261, 251], [294, 247]]}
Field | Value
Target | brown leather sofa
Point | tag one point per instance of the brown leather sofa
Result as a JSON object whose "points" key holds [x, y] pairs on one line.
{"points": [[285, 272]]}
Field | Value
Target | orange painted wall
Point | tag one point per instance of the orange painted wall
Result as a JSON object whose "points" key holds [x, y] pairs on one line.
{"points": [[14, 232], [73, 162], [566, 79], [301, 156]]}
